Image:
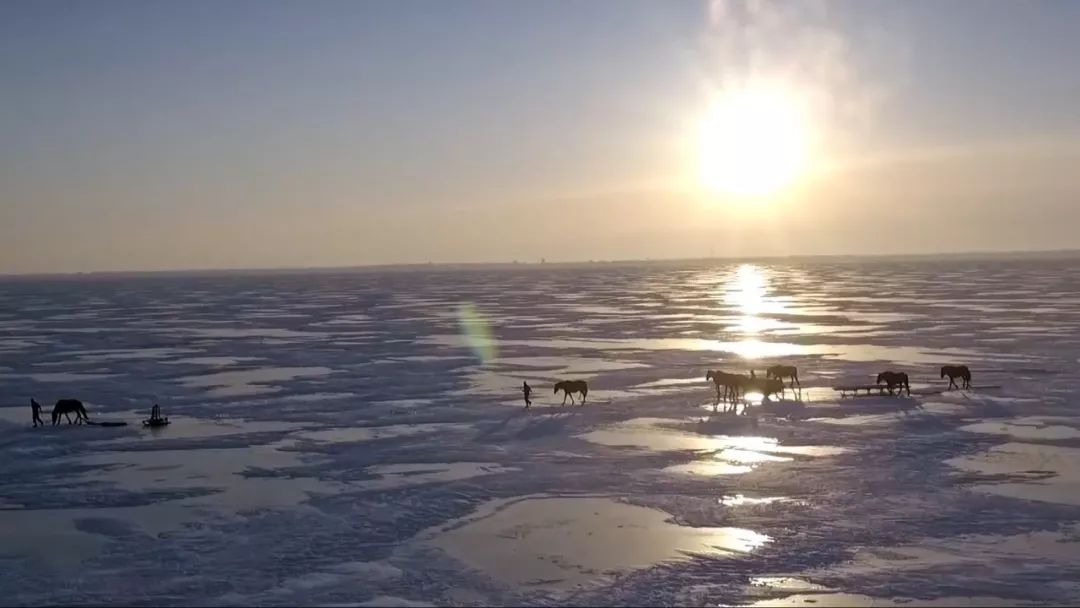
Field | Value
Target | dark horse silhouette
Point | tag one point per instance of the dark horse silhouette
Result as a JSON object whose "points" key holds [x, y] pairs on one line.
{"points": [[765, 386], [894, 380], [66, 407], [569, 387], [729, 382], [784, 371], [957, 371]]}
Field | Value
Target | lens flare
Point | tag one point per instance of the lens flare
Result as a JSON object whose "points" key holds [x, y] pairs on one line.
{"points": [[477, 333]]}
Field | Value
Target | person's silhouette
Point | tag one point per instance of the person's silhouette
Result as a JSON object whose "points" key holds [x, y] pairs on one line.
{"points": [[526, 390], [36, 408]]}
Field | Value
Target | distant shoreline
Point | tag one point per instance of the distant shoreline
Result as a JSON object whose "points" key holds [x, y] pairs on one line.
{"points": [[451, 266]]}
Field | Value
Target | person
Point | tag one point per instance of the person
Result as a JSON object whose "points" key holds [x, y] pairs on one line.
{"points": [[527, 391], [36, 408], [155, 412]]}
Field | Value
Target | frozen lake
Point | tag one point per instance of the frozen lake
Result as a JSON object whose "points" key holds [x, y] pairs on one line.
{"points": [[358, 437]]}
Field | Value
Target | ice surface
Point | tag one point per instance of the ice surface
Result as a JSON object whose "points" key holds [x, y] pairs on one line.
{"points": [[336, 441]]}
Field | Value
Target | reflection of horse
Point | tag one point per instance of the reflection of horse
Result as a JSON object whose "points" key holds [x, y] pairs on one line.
{"points": [[957, 371], [784, 371], [729, 382], [894, 380], [569, 387], [68, 406]]}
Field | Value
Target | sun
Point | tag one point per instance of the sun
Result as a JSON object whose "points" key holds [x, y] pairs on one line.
{"points": [[753, 142]]}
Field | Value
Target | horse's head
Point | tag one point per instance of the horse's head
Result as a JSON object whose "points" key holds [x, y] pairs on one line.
{"points": [[880, 378], [769, 371], [558, 387], [943, 371], [34, 404], [710, 375]]}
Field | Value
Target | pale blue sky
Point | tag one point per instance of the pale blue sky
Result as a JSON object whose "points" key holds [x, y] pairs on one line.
{"points": [[151, 134]]}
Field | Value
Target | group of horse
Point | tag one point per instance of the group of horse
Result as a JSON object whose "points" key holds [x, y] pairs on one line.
{"points": [[730, 386]]}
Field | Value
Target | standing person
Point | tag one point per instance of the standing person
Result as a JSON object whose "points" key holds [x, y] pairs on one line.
{"points": [[526, 390], [36, 408]]}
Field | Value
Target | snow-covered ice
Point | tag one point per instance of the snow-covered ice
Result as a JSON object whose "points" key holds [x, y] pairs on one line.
{"points": [[347, 438]]}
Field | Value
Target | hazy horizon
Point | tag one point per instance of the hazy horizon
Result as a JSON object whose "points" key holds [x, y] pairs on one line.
{"points": [[975, 255], [145, 136]]}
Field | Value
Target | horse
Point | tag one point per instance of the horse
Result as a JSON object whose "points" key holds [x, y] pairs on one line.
{"points": [[957, 371], [784, 371], [69, 406], [569, 387], [730, 383], [894, 380], [765, 386]]}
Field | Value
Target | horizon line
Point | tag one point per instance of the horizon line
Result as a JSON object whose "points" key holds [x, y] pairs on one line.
{"points": [[541, 263]]}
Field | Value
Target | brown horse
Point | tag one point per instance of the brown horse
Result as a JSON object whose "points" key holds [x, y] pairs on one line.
{"points": [[569, 387], [894, 380], [784, 371], [729, 382], [765, 386], [66, 407], [957, 371]]}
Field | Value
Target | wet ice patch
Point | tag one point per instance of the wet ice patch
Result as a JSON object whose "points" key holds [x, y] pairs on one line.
{"points": [[1036, 472], [1024, 428], [371, 433], [567, 542], [251, 381], [399, 475]]}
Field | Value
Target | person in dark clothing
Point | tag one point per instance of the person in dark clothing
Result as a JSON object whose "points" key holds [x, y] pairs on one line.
{"points": [[527, 391], [36, 408]]}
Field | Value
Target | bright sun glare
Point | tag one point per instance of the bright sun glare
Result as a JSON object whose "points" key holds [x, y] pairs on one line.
{"points": [[753, 142]]}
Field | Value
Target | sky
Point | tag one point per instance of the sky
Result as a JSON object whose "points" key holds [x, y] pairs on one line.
{"points": [[156, 135]]}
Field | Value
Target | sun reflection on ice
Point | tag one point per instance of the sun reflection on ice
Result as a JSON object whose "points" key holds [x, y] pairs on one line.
{"points": [[747, 292]]}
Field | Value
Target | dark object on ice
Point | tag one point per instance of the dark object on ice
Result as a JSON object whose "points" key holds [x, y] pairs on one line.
{"points": [[36, 408], [957, 371], [894, 380], [526, 390], [730, 383], [155, 418], [765, 386], [784, 371], [569, 387], [108, 423], [66, 407]]}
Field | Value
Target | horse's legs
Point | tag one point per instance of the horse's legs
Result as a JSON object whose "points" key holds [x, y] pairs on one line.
{"points": [[68, 416], [565, 393], [796, 377]]}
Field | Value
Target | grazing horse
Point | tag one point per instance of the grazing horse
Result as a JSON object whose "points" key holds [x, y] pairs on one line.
{"points": [[894, 380], [569, 387], [957, 371], [784, 371], [765, 386], [68, 406], [729, 382]]}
